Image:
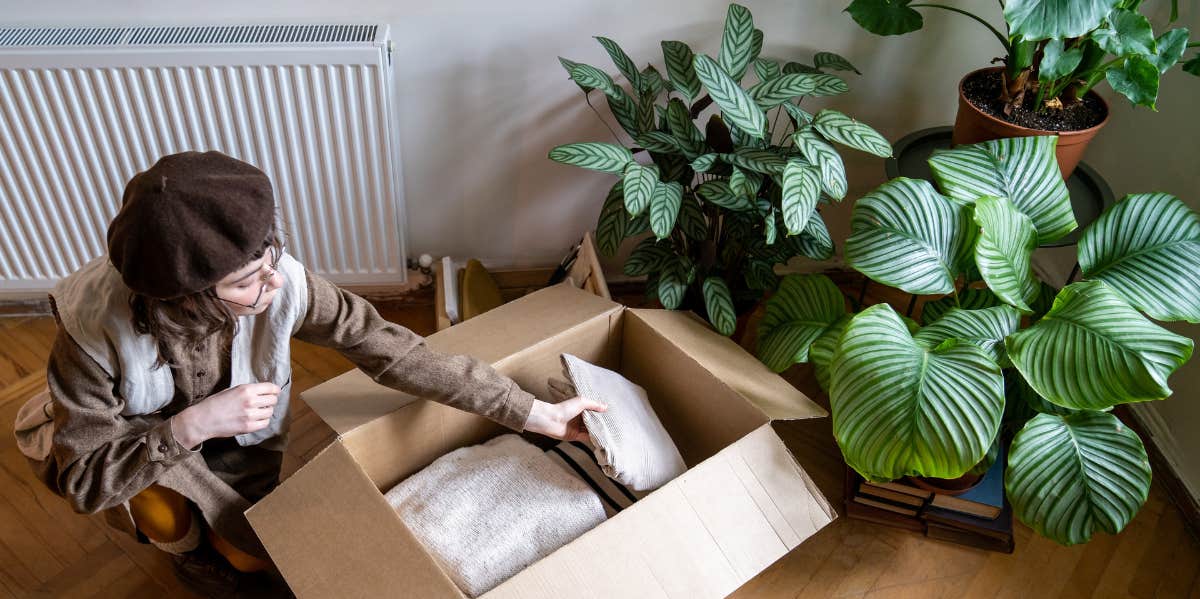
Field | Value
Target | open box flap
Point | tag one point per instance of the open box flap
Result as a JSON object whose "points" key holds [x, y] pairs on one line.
{"points": [[777, 399], [353, 399], [704, 534], [323, 529]]}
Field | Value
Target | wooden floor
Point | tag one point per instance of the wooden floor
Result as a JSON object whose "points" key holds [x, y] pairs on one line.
{"points": [[48, 551]]}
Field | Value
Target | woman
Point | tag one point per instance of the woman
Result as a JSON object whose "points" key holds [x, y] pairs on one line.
{"points": [[170, 374]]}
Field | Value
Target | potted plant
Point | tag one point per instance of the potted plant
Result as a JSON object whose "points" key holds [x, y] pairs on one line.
{"points": [[1000, 347], [727, 201], [1055, 53]]}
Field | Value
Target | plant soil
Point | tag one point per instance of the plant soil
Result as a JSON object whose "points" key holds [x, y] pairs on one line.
{"points": [[983, 91]]}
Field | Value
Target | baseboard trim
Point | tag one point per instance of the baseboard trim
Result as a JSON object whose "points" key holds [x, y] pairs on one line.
{"points": [[1164, 455]]}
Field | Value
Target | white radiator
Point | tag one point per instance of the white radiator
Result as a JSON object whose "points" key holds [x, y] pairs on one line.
{"points": [[83, 109]]}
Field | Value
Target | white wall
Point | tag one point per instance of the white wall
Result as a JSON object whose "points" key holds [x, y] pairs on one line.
{"points": [[483, 99]]}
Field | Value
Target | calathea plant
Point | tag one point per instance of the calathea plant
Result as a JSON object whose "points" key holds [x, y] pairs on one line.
{"points": [[1000, 346], [726, 204], [1060, 49]]}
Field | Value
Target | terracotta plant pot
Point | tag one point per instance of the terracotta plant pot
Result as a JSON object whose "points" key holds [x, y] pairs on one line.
{"points": [[946, 486], [972, 125]]}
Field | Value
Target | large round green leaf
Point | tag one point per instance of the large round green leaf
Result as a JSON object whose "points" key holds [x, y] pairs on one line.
{"points": [[736, 105], [598, 156], [803, 308], [906, 235], [821, 352], [885, 17], [1022, 169], [967, 299], [1006, 243], [1147, 248], [1092, 351], [1069, 476], [984, 328], [901, 409], [1050, 19]]}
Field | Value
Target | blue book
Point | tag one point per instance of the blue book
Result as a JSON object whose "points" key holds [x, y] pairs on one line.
{"points": [[984, 500]]}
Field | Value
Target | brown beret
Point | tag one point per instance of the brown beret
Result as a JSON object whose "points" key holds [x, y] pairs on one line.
{"points": [[188, 221]]}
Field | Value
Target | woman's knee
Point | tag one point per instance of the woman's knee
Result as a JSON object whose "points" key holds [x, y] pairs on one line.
{"points": [[161, 514]]}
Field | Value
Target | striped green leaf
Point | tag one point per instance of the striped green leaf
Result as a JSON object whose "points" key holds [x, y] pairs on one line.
{"points": [[610, 229], [796, 67], [828, 85], [640, 182], [679, 60], [719, 193], [770, 230], [1022, 169], [718, 301], [766, 69], [1093, 351], [746, 183], [650, 81], [691, 219], [1069, 476], [704, 163], [737, 43], [801, 191], [744, 141], [684, 130], [773, 92], [906, 235], [984, 328], [647, 257], [838, 127], [672, 283], [756, 45], [608, 158], [737, 107], [902, 409], [800, 116], [1053, 19], [821, 352], [664, 208], [815, 241], [570, 64], [1002, 253], [625, 109], [760, 275], [673, 167], [657, 141], [829, 60], [646, 113], [1147, 248], [588, 76], [968, 299], [827, 160], [759, 161], [801, 311], [638, 224], [622, 61]]}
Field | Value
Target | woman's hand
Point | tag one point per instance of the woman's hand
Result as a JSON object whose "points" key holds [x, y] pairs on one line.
{"points": [[563, 420], [234, 411]]}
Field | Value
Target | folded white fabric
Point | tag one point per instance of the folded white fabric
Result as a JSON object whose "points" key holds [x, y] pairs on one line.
{"points": [[630, 442], [488, 511], [579, 460]]}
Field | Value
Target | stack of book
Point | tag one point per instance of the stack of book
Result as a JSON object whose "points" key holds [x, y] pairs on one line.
{"points": [[979, 517]]}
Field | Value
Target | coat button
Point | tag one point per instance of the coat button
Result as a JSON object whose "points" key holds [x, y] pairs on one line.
{"points": [[163, 447], [200, 374]]}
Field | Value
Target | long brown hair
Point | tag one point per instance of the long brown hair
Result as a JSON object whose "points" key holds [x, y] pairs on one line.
{"points": [[186, 320]]}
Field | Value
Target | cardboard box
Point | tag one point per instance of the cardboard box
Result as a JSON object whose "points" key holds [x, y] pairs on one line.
{"points": [[743, 503]]}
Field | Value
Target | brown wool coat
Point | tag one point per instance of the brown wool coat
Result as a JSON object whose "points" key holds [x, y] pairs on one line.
{"points": [[100, 458]]}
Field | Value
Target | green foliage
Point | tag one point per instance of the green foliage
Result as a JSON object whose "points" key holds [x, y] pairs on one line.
{"points": [[726, 200]]}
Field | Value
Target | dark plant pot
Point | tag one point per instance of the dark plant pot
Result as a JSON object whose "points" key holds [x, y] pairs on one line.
{"points": [[946, 486], [972, 125]]}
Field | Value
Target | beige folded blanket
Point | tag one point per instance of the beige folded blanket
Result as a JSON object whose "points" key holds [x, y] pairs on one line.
{"points": [[488, 511]]}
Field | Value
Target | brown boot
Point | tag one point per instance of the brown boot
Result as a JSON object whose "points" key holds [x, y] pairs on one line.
{"points": [[204, 572]]}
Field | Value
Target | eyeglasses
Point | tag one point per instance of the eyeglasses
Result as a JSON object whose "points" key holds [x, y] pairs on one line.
{"points": [[265, 278]]}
